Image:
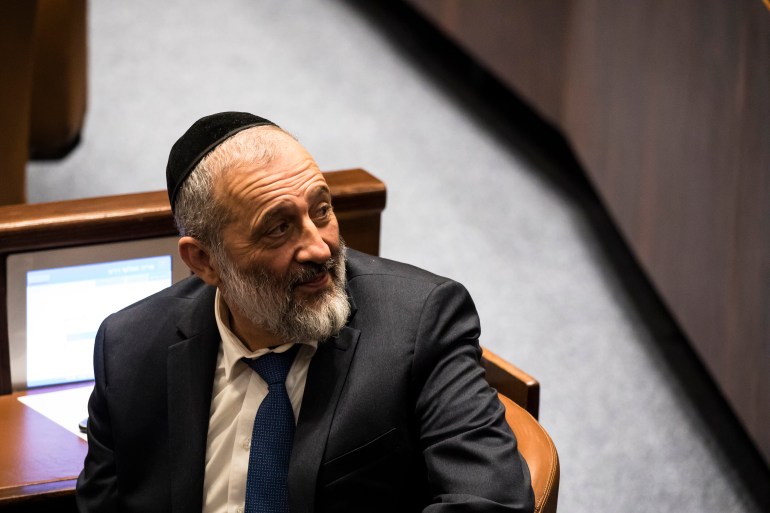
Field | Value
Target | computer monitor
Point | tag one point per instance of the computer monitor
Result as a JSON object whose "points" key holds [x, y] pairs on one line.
{"points": [[57, 299]]}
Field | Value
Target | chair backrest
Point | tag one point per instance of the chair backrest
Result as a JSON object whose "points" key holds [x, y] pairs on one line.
{"points": [[535, 445], [538, 451]]}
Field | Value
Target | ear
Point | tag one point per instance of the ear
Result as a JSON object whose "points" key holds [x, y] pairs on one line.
{"points": [[198, 259]]}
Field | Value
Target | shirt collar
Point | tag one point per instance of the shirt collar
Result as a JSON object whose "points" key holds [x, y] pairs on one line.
{"points": [[233, 349]]}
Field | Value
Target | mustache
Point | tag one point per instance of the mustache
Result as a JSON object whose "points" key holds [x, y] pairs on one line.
{"points": [[311, 270]]}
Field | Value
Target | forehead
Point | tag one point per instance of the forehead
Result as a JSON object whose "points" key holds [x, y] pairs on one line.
{"points": [[290, 172]]}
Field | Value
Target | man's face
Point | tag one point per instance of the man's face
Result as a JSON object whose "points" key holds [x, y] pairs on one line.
{"points": [[282, 262]]}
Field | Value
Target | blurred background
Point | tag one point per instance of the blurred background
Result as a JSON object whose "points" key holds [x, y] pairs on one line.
{"points": [[596, 173]]}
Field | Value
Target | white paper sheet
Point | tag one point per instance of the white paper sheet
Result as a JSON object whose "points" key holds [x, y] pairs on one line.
{"points": [[65, 407]]}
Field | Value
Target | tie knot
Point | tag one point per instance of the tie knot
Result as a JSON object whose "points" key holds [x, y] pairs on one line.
{"points": [[273, 367]]}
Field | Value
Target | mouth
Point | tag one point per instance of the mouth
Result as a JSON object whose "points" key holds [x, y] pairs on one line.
{"points": [[316, 282]]}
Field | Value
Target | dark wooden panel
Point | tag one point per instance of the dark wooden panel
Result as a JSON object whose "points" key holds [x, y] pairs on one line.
{"points": [[59, 87], [16, 50], [521, 42], [666, 105]]}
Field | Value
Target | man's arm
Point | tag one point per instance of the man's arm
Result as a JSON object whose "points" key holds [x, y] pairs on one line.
{"points": [[97, 484], [470, 452]]}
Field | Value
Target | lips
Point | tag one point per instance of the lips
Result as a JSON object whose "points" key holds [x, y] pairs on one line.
{"points": [[317, 281]]}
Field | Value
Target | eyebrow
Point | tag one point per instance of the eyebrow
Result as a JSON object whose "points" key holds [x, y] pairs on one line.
{"points": [[319, 190], [283, 208], [274, 212]]}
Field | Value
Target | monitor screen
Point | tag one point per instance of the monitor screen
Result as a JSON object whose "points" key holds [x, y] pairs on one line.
{"points": [[57, 300]]}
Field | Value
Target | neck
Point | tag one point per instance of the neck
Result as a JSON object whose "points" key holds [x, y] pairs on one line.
{"points": [[252, 336]]}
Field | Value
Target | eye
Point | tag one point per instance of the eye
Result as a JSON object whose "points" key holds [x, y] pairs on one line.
{"points": [[323, 211], [279, 230]]}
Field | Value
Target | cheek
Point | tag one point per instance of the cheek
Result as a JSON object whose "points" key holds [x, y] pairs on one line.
{"points": [[331, 235], [279, 262], [251, 261]]}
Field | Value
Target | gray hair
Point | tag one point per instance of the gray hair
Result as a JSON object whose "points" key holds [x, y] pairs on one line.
{"points": [[198, 213]]}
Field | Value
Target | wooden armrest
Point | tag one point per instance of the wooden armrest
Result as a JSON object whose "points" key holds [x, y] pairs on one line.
{"points": [[512, 382]]}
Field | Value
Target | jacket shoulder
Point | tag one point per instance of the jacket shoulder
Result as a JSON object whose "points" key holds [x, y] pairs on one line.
{"points": [[361, 265]]}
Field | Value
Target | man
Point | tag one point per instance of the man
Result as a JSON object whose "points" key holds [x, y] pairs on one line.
{"points": [[382, 404]]}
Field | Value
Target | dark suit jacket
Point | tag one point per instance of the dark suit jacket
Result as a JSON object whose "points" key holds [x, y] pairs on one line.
{"points": [[396, 415]]}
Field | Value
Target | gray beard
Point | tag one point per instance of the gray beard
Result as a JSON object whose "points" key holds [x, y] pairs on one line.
{"points": [[269, 301]]}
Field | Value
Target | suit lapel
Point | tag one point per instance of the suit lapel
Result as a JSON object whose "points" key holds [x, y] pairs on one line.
{"points": [[325, 380], [190, 365]]}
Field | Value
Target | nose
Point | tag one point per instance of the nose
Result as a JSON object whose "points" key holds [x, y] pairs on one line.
{"points": [[312, 246]]}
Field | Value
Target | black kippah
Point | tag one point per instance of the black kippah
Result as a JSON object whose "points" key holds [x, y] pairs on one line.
{"points": [[202, 137]]}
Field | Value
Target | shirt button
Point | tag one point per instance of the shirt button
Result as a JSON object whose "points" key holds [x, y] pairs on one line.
{"points": [[246, 444], [239, 510]]}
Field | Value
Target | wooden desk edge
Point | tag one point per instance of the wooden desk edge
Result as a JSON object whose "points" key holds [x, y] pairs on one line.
{"points": [[20, 486], [37, 491]]}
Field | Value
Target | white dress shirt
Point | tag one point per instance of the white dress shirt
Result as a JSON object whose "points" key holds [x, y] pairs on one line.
{"points": [[238, 391]]}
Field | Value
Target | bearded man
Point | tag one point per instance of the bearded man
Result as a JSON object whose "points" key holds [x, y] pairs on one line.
{"points": [[289, 373]]}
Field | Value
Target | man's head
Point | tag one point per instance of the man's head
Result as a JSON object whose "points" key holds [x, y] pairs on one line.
{"points": [[256, 221]]}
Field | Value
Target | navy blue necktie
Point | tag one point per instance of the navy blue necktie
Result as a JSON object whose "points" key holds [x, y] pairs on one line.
{"points": [[271, 438]]}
